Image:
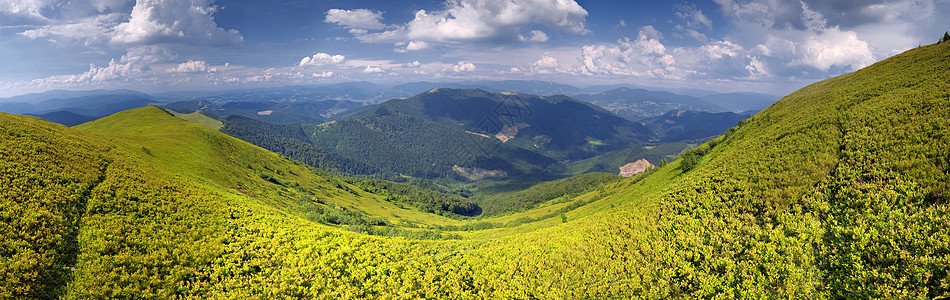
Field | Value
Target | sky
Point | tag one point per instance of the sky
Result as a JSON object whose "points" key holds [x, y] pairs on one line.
{"points": [[769, 46]]}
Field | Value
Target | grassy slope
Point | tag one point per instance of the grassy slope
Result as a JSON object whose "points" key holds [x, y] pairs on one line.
{"points": [[838, 190], [199, 118]]}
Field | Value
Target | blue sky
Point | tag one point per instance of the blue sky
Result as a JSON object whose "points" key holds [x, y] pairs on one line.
{"points": [[767, 46]]}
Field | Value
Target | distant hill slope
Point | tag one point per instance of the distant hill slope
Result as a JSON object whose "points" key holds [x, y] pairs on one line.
{"points": [[74, 107], [639, 104], [94, 103], [306, 112], [290, 140], [741, 102], [556, 126], [684, 125]]}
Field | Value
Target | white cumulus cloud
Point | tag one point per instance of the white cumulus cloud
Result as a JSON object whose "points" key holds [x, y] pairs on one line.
{"points": [[644, 57], [373, 70], [193, 66], [358, 19], [537, 36], [87, 31], [462, 66], [495, 20], [417, 45], [464, 21], [324, 74], [113, 72], [174, 21], [834, 47], [321, 59]]}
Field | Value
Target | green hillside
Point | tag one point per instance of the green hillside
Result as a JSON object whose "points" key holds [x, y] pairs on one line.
{"points": [[839, 190], [417, 147]]}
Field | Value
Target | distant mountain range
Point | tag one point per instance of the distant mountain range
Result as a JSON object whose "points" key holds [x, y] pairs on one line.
{"points": [[475, 134], [309, 104], [75, 107], [682, 125], [640, 104]]}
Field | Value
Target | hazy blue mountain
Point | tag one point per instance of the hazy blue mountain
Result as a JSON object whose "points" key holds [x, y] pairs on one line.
{"points": [[54, 100], [682, 125], [304, 112], [75, 107], [742, 101], [65, 117], [639, 104]]}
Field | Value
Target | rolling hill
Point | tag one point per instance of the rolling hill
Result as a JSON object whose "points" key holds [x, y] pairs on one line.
{"points": [[839, 190]]}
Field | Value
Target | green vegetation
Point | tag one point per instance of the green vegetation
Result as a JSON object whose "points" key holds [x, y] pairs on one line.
{"points": [[420, 148], [494, 203], [611, 161], [289, 140], [429, 201], [198, 117], [839, 190], [680, 125]]}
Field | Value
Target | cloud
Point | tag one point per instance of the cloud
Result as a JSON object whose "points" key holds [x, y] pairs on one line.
{"points": [[796, 40], [174, 22], [537, 36], [113, 72], [644, 57], [324, 74], [143, 56], [719, 49], [468, 21], [693, 16], [546, 62], [417, 45], [359, 19], [88, 31], [855, 13], [546, 65], [834, 47], [651, 33], [193, 66], [462, 67], [321, 59], [388, 36], [373, 70], [495, 20], [691, 33], [19, 12]]}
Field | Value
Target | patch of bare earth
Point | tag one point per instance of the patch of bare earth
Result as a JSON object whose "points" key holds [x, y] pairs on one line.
{"points": [[635, 168], [476, 173], [508, 132]]}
